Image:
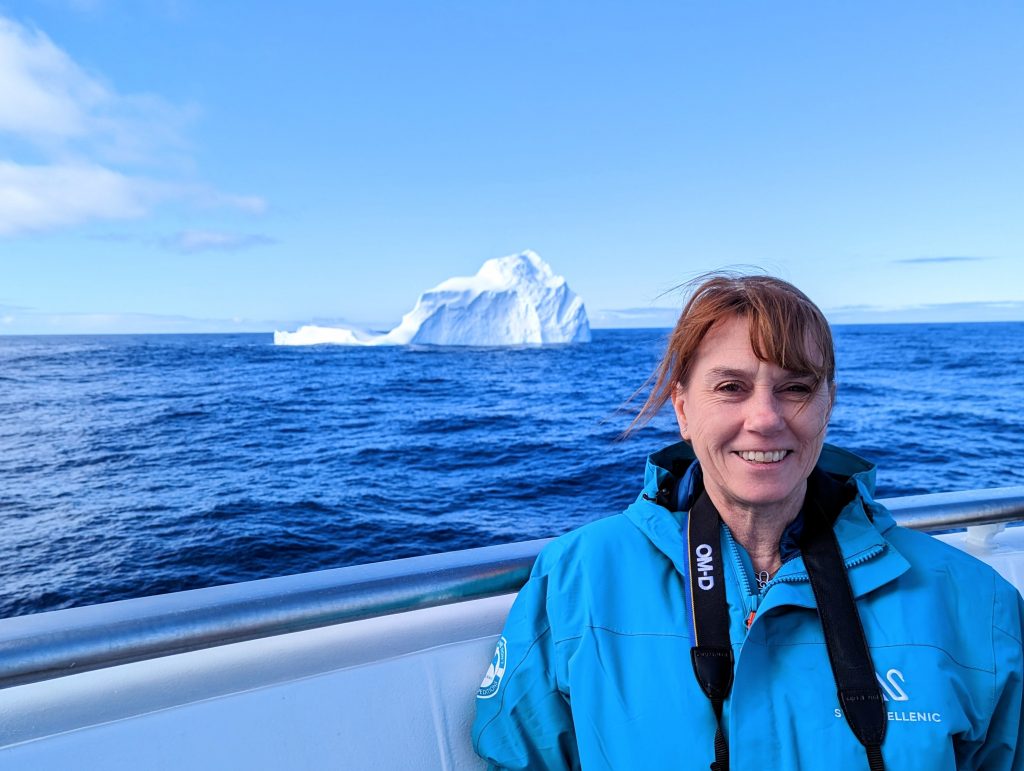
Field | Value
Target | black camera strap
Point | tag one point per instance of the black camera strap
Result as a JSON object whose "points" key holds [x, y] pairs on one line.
{"points": [[711, 653], [860, 696]]}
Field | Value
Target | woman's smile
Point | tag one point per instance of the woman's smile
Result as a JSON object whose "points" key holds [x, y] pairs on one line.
{"points": [[763, 456]]}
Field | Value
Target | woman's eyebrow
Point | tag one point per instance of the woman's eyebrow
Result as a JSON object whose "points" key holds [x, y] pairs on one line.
{"points": [[727, 373], [730, 373]]}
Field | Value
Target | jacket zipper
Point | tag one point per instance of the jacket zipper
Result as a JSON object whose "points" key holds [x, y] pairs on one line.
{"points": [[871, 553], [753, 599], [792, 579]]}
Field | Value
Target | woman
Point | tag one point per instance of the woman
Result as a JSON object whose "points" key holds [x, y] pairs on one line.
{"points": [[755, 608]]}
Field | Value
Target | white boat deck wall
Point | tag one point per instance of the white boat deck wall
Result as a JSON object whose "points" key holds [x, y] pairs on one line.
{"points": [[394, 692], [1002, 549]]}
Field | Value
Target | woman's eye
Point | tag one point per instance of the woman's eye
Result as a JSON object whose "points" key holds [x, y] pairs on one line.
{"points": [[730, 388], [798, 389]]}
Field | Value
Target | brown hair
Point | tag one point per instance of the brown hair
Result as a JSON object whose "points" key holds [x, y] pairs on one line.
{"points": [[786, 329]]}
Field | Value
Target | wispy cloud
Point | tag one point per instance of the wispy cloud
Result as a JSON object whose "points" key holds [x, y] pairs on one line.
{"points": [[44, 197], [191, 241], [931, 260], [82, 6], [1008, 310], [84, 151], [22, 320], [9, 313], [620, 318], [213, 199], [13, 322]]}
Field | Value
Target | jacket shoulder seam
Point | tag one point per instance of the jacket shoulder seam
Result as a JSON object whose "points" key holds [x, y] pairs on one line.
{"points": [[995, 626], [951, 657], [569, 638], [954, 659], [1009, 634]]}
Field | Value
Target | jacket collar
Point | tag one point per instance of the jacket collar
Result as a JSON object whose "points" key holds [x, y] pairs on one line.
{"points": [[860, 529]]}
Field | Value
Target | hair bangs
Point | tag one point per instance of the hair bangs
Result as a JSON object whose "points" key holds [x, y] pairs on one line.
{"points": [[786, 329], [787, 335]]}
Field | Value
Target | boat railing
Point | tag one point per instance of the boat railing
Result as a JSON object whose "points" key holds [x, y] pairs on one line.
{"points": [[58, 643]]}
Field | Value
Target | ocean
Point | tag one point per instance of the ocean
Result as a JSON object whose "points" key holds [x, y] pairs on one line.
{"points": [[137, 465]]}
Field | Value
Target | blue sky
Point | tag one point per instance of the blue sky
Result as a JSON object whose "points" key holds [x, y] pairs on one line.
{"points": [[175, 165]]}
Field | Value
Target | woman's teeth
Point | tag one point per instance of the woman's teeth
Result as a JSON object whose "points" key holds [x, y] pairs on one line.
{"points": [[772, 456]]}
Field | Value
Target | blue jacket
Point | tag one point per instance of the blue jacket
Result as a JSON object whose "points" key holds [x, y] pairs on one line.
{"points": [[593, 667]]}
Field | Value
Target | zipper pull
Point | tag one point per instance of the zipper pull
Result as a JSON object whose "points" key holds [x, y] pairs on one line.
{"points": [[755, 600], [763, 577]]}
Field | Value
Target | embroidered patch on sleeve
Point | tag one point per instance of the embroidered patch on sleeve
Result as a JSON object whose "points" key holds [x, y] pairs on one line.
{"points": [[495, 672]]}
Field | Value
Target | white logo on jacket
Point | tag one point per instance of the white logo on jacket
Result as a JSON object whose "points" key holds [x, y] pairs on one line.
{"points": [[892, 690], [492, 680]]}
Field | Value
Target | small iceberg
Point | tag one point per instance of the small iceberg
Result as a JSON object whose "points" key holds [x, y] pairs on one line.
{"points": [[514, 300]]}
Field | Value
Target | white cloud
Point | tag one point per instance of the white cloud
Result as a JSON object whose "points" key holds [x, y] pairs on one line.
{"points": [[57, 107], [933, 313], [37, 323], [622, 318], [45, 93], [208, 240], [44, 197], [250, 204], [936, 260], [94, 151]]}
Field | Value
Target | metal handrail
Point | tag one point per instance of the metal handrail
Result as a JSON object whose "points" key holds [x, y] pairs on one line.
{"points": [[48, 645], [952, 511]]}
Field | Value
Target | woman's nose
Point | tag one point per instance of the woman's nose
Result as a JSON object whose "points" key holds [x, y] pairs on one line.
{"points": [[764, 412]]}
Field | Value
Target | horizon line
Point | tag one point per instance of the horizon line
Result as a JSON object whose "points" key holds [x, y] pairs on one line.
{"points": [[889, 323]]}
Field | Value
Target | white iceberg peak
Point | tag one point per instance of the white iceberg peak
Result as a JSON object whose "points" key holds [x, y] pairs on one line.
{"points": [[512, 300]]}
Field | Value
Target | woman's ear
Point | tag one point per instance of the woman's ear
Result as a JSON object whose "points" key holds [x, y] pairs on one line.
{"points": [[679, 406]]}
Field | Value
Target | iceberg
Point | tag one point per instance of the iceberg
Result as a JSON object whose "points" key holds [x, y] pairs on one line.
{"points": [[513, 300]]}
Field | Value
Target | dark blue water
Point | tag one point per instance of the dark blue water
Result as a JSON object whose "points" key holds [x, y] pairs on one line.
{"points": [[134, 465]]}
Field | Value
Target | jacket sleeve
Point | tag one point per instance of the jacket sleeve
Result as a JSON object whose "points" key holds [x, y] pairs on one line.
{"points": [[1003, 746], [523, 719]]}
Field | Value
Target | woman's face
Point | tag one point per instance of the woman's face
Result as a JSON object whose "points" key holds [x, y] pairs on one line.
{"points": [[756, 428]]}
